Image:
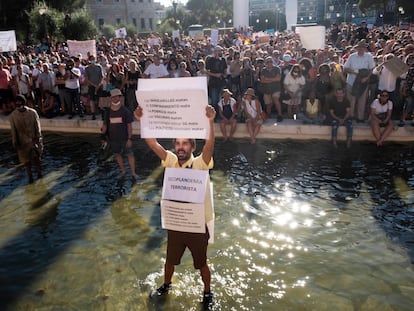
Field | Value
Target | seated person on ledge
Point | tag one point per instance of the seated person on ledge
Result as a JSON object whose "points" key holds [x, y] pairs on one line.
{"points": [[381, 110], [311, 111]]}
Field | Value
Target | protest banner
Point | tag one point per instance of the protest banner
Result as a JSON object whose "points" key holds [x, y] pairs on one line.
{"points": [[85, 48], [8, 41], [173, 107], [312, 37], [121, 33], [396, 66], [183, 195]]}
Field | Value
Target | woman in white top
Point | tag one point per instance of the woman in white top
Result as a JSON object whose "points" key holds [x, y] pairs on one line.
{"points": [[293, 83], [253, 111], [381, 110]]}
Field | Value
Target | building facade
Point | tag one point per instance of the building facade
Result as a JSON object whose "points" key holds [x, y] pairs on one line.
{"points": [[318, 11], [143, 14]]}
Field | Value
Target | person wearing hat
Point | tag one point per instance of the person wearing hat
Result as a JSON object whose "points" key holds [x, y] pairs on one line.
{"points": [[117, 131], [216, 67], [358, 67], [228, 114], [253, 110], [27, 136]]}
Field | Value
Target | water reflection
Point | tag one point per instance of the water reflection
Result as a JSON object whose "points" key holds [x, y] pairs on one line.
{"points": [[299, 227]]}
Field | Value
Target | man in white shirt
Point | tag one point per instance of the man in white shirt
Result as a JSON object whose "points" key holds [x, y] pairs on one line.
{"points": [[156, 69], [356, 63]]}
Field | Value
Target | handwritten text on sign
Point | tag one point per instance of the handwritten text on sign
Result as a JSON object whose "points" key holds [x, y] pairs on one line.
{"points": [[183, 217], [188, 186], [169, 111]]}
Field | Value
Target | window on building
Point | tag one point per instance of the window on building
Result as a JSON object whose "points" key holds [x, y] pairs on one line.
{"points": [[142, 23], [118, 21], [150, 24], [100, 23], [134, 21]]}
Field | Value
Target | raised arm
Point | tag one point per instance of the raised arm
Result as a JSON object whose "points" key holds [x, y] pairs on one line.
{"points": [[208, 148]]}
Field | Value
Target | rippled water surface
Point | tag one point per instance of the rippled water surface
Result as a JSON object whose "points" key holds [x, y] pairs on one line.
{"points": [[299, 226]]}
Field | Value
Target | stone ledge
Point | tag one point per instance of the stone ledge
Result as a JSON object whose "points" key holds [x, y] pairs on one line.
{"points": [[288, 129]]}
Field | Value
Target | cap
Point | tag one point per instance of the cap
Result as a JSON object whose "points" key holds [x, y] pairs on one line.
{"points": [[116, 92], [218, 48], [21, 98]]}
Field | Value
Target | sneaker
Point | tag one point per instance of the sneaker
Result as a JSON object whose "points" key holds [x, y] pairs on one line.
{"points": [[279, 118], [93, 117], [163, 289], [208, 301], [401, 123], [70, 117]]}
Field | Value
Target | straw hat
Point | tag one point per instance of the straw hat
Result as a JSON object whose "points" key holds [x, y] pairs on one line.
{"points": [[250, 92], [227, 91], [116, 92]]}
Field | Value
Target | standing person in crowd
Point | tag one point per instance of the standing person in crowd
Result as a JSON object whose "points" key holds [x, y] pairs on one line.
{"points": [[156, 69], [27, 136], [324, 86], [72, 86], [358, 69], [23, 84], [270, 85], [60, 85], [247, 75], [172, 68], [387, 80], [131, 83], [115, 76], [234, 71], [293, 83], [228, 114], [47, 81], [177, 241], [253, 111], [183, 72], [381, 111], [340, 114], [216, 67], [93, 78], [407, 90], [117, 129]]}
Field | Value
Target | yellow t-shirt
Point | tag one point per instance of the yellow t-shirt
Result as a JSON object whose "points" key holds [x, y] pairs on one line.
{"points": [[196, 163]]}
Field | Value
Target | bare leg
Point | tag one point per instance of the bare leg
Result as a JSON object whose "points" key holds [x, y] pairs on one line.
{"points": [[120, 161], [206, 277], [168, 272], [131, 161]]}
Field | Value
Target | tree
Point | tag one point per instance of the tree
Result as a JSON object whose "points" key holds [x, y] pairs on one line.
{"points": [[211, 13]]}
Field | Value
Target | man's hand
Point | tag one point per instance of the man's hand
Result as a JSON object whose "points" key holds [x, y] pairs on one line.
{"points": [[210, 112], [138, 113]]}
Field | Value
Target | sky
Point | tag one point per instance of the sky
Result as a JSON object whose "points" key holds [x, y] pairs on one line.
{"points": [[168, 3]]}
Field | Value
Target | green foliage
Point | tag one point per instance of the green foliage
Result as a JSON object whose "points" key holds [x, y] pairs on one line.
{"points": [[211, 13], [108, 31], [78, 26]]}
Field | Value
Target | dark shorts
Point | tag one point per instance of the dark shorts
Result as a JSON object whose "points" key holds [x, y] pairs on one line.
{"points": [[196, 242], [119, 147]]}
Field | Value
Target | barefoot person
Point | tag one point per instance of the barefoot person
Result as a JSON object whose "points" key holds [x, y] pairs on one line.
{"points": [[177, 241], [381, 111], [27, 136], [228, 112]]}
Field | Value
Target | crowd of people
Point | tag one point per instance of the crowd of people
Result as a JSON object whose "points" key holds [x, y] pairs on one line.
{"points": [[288, 80], [248, 80]]}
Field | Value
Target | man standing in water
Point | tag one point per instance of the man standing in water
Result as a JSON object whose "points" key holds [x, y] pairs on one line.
{"points": [[27, 136], [177, 242]]}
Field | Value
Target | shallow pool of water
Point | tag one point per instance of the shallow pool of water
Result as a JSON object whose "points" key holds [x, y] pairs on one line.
{"points": [[299, 226]]}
